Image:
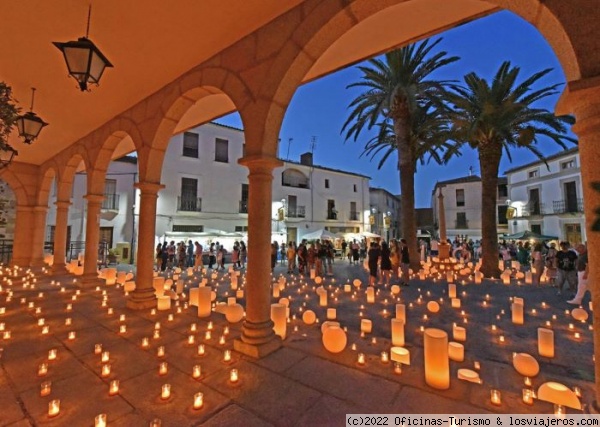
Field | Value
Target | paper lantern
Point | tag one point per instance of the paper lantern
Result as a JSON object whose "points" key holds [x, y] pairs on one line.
{"points": [[459, 333], [579, 314], [468, 375], [347, 288], [451, 290], [313, 273], [400, 355], [395, 289], [397, 332], [456, 351], [455, 303], [331, 313], [517, 314], [322, 298], [528, 278], [558, 394], [194, 297], [437, 365], [478, 277], [433, 306], [449, 277], [204, 302], [334, 339], [234, 313], [546, 342], [163, 302], [309, 317], [279, 318], [526, 364], [366, 326], [401, 312], [275, 291], [356, 283], [327, 324], [129, 286], [158, 285], [370, 295]]}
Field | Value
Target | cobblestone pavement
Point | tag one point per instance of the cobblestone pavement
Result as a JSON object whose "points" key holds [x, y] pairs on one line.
{"points": [[300, 384]]}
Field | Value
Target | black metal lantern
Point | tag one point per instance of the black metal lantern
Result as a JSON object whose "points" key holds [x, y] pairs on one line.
{"points": [[84, 60], [7, 153], [29, 124]]}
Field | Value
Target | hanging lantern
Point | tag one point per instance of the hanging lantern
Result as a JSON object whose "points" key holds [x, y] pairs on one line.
{"points": [[29, 124], [84, 60], [7, 153]]}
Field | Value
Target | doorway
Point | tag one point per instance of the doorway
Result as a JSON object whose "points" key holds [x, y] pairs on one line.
{"points": [[106, 235], [573, 233], [571, 197], [292, 234]]}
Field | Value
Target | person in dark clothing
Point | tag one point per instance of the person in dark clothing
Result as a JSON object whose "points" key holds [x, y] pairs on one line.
{"points": [[566, 260], [165, 257], [404, 261], [373, 259], [386, 263]]}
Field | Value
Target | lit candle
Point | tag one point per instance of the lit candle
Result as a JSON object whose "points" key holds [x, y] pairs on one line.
{"points": [[105, 356], [72, 335], [113, 387], [122, 318], [361, 359], [201, 350], [156, 334], [45, 388], [52, 354], [145, 342], [68, 321], [501, 339], [98, 349], [198, 400], [527, 381], [106, 370], [233, 376], [166, 391], [577, 335], [163, 368], [384, 357], [54, 407], [100, 420], [559, 410], [197, 371], [191, 339], [42, 369], [160, 352], [397, 368], [122, 329], [45, 330], [476, 365], [193, 327], [496, 397], [222, 340], [528, 396], [577, 391], [227, 356], [207, 335]]}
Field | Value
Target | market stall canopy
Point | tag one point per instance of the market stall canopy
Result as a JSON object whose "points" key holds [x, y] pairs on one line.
{"points": [[370, 235], [321, 234], [529, 235]]}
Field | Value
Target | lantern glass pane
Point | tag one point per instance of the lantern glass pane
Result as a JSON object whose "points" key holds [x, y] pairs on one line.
{"points": [[33, 127], [96, 68], [77, 60]]}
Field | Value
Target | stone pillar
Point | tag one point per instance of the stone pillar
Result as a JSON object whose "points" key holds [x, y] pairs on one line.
{"points": [[38, 235], [60, 236], [258, 338], [92, 238], [22, 241], [584, 100], [143, 296], [443, 247]]}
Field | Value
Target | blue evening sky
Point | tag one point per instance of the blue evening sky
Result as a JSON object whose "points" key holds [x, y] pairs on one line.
{"points": [[319, 108]]}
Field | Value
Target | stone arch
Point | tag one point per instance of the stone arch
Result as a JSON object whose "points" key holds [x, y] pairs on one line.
{"points": [[110, 137], [329, 20], [189, 89], [293, 177], [47, 176], [18, 187], [67, 175]]}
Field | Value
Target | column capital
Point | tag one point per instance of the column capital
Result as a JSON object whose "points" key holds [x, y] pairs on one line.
{"points": [[149, 187], [257, 163], [40, 208], [94, 198], [63, 204]]}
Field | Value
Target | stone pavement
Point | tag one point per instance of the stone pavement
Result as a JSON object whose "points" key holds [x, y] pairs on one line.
{"points": [[300, 384]]}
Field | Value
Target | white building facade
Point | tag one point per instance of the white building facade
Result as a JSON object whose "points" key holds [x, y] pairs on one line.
{"points": [[548, 199], [206, 196], [385, 213]]}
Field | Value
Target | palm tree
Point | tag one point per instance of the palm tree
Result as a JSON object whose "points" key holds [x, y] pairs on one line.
{"points": [[399, 87], [495, 118]]}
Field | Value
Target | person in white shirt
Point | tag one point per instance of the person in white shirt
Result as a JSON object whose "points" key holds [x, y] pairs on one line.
{"points": [[434, 247]]}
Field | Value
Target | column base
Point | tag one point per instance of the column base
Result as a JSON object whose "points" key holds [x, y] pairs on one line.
{"points": [[258, 351], [87, 280], [443, 251], [257, 340], [59, 269], [140, 300]]}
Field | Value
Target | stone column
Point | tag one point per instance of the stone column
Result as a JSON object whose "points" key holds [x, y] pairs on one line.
{"points": [[22, 240], [38, 235], [60, 236], [584, 101], [143, 296], [443, 247], [258, 338], [92, 238]]}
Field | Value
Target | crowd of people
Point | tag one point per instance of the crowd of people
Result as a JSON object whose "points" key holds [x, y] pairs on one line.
{"points": [[170, 255]]}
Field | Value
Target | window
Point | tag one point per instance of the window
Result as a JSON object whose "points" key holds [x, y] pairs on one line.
{"points": [[569, 164], [221, 150], [331, 211], [533, 174], [189, 201], [502, 215], [190, 144], [189, 228], [536, 228], [355, 188], [241, 228], [460, 197], [111, 199], [326, 183], [461, 220], [502, 191], [244, 199], [354, 216]]}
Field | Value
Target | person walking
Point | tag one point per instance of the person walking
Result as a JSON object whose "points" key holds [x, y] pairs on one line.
{"points": [[537, 263], [198, 262], [551, 264], [291, 258], [243, 254], [235, 255], [158, 257], [190, 254], [582, 267], [373, 260], [386, 263], [395, 258], [404, 262], [565, 263], [212, 256]]}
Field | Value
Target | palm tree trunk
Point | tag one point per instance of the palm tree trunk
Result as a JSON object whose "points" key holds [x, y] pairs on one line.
{"points": [[406, 166], [489, 161]]}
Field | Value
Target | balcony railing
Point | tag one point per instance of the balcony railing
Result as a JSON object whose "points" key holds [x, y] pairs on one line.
{"points": [[533, 208], [462, 224], [567, 206], [189, 204], [297, 212], [243, 206], [111, 202], [354, 216], [332, 215]]}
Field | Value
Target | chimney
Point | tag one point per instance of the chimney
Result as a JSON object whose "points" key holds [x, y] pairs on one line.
{"points": [[306, 159]]}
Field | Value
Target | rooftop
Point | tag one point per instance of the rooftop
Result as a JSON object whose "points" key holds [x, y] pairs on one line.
{"points": [[568, 152]]}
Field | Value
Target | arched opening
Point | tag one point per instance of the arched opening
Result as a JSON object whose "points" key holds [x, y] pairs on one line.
{"points": [[8, 216]]}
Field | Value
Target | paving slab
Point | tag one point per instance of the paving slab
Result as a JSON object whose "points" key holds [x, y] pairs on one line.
{"points": [[234, 416]]}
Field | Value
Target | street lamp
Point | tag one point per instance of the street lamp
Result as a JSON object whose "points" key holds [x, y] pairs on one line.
{"points": [[7, 153], [29, 124], [84, 60]]}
